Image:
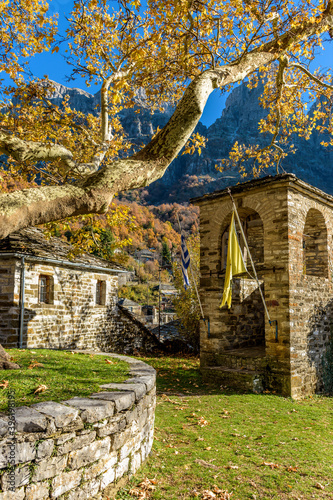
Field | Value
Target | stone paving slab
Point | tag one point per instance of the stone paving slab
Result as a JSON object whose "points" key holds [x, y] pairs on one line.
{"points": [[122, 400], [3, 427], [92, 411], [148, 380], [63, 415], [13, 495], [49, 468], [145, 369], [21, 477], [29, 420], [139, 389], [37, 491], [21, 453]]}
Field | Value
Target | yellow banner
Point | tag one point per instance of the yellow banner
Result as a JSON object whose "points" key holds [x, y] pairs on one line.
{"points": [[235, 263]]}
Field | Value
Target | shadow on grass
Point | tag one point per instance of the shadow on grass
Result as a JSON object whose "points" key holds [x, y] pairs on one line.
{"points": [[181, 376]]}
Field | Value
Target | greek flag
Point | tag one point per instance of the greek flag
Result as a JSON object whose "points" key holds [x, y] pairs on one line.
{"points": [[185, 261]]}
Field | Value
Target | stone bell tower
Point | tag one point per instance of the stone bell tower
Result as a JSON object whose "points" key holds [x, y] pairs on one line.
{"points": [[289, 226]]}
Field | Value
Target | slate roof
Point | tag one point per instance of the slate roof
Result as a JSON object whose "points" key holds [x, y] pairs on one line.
{"points": [[166, 289], [169, 331], [263, 182], [128, 303], [32, 242]]}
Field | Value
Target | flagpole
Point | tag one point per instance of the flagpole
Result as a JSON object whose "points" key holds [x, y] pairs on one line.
{"points": [[193, 277], [252, 263]]}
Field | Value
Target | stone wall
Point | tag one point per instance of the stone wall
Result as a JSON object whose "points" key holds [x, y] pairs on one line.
{"points": [[9, 304], [79, 448], [291, 227], [130, 335], [311, 290], [72, 320], [245, 324]]}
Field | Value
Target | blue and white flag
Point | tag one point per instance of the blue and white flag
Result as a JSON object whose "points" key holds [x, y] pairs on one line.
{"points": [[185, 261]]}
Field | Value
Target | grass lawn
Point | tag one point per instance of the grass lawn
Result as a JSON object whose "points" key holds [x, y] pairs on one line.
{"points": [[64, 374], [237, 446]]}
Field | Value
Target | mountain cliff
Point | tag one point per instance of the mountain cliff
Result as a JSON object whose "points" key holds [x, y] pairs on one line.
{"points": [[194, 175]]}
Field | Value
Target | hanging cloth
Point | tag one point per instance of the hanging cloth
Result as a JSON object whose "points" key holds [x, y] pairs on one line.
{"points": [[235, 263]]}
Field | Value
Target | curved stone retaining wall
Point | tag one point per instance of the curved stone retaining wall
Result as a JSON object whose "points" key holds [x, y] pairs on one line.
{"points": [[77, 449]]}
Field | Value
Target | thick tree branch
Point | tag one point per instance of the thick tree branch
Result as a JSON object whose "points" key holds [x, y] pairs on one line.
{"points": [[23, 151], [94, 193]]}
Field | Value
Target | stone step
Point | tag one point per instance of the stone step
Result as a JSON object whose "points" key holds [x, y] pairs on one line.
{"points": [[238, 378], [242, 359]]}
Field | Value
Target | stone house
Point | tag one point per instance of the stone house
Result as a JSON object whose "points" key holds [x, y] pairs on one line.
{"points": [[48, 300], [146, 255], [289, 228], [131, 306]]}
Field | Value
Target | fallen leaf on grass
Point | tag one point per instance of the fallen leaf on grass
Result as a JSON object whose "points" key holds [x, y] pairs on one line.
{"points": [[135, 492], [319, 486], [216, 493], [41, 388], [168, 400], [207, 495], [206, 464], [4, 384], [291, 469], [35, 365], [142, 490], [108, 361], [231, 467], [208, 448], [271, 465], [203, 422]]}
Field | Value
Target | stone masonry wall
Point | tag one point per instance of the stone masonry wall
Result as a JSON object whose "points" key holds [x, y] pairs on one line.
{"points": [[270, 205], [297, 272], [9, 311], [71, 320], [78, 449], [311, 291], [130, 335]]}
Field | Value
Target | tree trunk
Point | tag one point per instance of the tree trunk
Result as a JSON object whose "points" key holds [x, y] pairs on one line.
{"points": [[5, 361]]}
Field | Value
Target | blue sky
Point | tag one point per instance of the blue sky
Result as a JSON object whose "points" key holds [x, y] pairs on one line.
{"points": [[57, 69]]}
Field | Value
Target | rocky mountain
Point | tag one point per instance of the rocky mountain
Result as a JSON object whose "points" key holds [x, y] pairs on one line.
{"points": [[194, 175]]}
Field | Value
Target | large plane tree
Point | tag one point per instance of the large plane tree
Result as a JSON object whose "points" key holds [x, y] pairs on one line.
{"points": [[175, 51]]}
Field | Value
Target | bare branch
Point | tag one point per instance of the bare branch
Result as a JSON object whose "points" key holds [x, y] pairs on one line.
{"points": [[310, 75]]}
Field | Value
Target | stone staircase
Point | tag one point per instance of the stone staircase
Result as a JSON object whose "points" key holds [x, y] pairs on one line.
{"points": [[241, 369]]}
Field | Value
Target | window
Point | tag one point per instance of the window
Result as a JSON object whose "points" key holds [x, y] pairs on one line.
{"points": [[315, 256], [45, 289], [101, 293]]}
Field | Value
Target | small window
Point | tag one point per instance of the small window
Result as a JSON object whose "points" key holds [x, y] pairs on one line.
{"points": [[100, 292], [45, 289], [315, 255]]}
